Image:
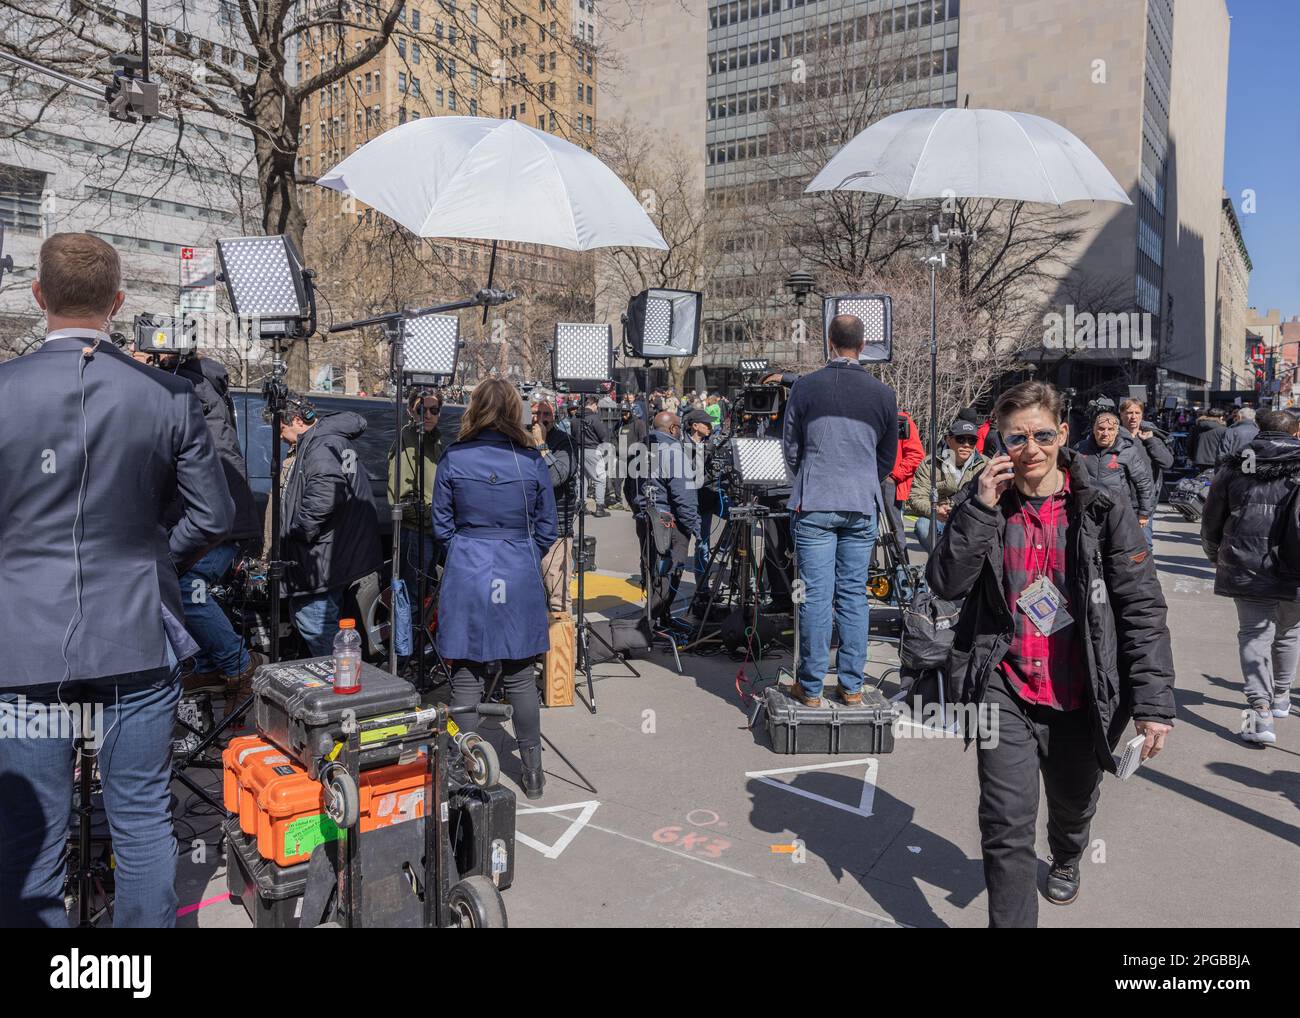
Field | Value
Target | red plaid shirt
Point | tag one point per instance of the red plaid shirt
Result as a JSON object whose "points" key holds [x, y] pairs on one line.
{"points": [[1047, 670]]}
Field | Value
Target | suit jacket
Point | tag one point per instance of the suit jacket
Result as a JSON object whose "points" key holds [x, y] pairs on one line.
{"points": [[840, 436], [144, 441]]}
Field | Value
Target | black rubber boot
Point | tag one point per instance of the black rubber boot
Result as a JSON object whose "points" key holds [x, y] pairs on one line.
{"points": [[533, 778]]}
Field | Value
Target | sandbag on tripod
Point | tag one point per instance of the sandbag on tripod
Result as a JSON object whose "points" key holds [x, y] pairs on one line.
{"points": [[612, 638]]}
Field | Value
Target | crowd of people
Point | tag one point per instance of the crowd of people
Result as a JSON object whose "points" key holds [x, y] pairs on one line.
{"points": [[1047, 542]]}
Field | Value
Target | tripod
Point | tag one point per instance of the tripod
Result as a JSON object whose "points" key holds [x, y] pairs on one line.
{"points": [[739, 555]]}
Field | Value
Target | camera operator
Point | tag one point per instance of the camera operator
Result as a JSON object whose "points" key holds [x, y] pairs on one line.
{"points": [[699, 431], [560, 455], [591, 437], [841, 440], [667, 516], [419, 551], [329, 531], [94, 444], [1244, 532], [1064, 646], [223, 663]]}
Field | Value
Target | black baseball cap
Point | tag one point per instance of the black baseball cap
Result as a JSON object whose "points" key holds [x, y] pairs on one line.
{"points": [[697, 417], [961, 426]]}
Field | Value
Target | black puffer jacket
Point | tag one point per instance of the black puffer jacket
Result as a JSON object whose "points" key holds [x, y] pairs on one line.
{"points": [[329, 530], [1123, 469], [1125, 638], [1239, 528], [212, 386]]}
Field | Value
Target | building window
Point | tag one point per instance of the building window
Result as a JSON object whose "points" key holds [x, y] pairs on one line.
{"points": [[401, 114], [451, 99], [401, 48], [437, 29], [437, 96], [589, 95], [473, 107], [401, 82], [415, 20], [415, 86], [415, 52], [473, 13]]}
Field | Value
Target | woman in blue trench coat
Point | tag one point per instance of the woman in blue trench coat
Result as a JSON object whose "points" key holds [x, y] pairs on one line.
{"points": [[494, 512]]}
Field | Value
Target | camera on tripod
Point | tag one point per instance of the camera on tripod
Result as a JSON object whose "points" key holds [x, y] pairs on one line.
{"points": [[758, 403], [162, 334]]}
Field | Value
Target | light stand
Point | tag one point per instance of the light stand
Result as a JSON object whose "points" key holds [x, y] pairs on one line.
{"points": [[435, 351], [582, 360], [267, 282], [940, 241]]}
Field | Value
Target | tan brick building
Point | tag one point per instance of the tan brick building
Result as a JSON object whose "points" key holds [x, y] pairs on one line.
{"points": [[1232, 367]]}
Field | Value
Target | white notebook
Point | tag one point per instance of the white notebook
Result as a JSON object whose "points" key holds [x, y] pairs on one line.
{"points": [[1127, 762]]}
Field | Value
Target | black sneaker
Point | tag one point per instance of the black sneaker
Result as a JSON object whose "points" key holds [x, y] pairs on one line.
{"points": [[1062, 884], [600, 513]]}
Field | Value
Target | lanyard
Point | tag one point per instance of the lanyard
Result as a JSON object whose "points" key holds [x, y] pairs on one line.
{"points": [[1048, 525]]}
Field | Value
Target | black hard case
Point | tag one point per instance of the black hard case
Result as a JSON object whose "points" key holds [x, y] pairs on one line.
{"points": [[298, 710], [830, 728]]}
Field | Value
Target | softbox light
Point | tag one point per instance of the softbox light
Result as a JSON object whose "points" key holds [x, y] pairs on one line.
{"points": [[264, 277], [664, 323], [431, 349], [874, 311], [754, 365], [582, 356], [760, 462]]}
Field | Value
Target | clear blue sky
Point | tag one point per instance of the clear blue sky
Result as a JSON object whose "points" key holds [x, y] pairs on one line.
{"points": [[1262, 151]]}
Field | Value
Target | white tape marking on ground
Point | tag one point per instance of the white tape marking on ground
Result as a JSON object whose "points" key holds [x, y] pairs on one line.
{"points": [[862, 809], [575, 825]]}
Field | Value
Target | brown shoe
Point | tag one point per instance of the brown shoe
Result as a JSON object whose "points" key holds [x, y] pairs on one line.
{"points": [[851, 699], [796, 693], [202, 682], [240, 687]]}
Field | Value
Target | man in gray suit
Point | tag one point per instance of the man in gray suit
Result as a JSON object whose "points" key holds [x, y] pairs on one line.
{"points": [[94, 447]]}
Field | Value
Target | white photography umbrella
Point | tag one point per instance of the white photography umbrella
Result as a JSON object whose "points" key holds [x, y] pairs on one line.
{"points": [[951, 153], [943, 153], [498, 180]]}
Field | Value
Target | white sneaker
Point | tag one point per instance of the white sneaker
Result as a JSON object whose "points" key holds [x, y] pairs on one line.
{"points": [[1282, 706], [1257, 727]]}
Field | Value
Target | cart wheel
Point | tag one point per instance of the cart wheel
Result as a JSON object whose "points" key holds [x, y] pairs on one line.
{"points": [[342, 801], [481, 760], [475, 904]]}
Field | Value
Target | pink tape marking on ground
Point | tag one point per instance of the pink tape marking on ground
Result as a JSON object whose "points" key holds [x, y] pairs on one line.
{"points": [[187, 909]]}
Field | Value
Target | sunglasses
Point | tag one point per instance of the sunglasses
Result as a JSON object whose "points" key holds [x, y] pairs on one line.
{"points": [[964, 439], [1041, 438]]}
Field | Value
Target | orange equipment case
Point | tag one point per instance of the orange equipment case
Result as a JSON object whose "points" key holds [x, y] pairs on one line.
{"points": [[276, 801]]}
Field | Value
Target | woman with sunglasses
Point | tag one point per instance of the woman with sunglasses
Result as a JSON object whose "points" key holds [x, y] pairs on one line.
{"points": [[1062, 634]]}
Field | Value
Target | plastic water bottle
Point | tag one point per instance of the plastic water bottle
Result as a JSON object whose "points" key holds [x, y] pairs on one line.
{"points": [[347, 658]]}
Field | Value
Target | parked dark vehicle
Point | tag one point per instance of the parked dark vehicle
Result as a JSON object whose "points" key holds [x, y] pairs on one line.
{"points": [[373, 445]]}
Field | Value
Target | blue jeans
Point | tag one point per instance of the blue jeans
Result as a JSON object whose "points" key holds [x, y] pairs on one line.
{"points": [[220, 647], [1149, 531], [922, 530], [834, 556], [417, 555], [701, 564], [36, 780], [317, 618]]}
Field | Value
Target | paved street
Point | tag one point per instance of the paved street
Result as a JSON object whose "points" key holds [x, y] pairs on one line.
{"points": [[658, 813]]}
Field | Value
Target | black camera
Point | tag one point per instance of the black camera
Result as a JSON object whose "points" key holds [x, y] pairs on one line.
{"points": [[755, 403]]}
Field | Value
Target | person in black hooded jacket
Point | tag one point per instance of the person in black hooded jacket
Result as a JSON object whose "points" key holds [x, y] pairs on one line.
{"points": [[329, 531], [1115, 462], [1242, 530]]}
